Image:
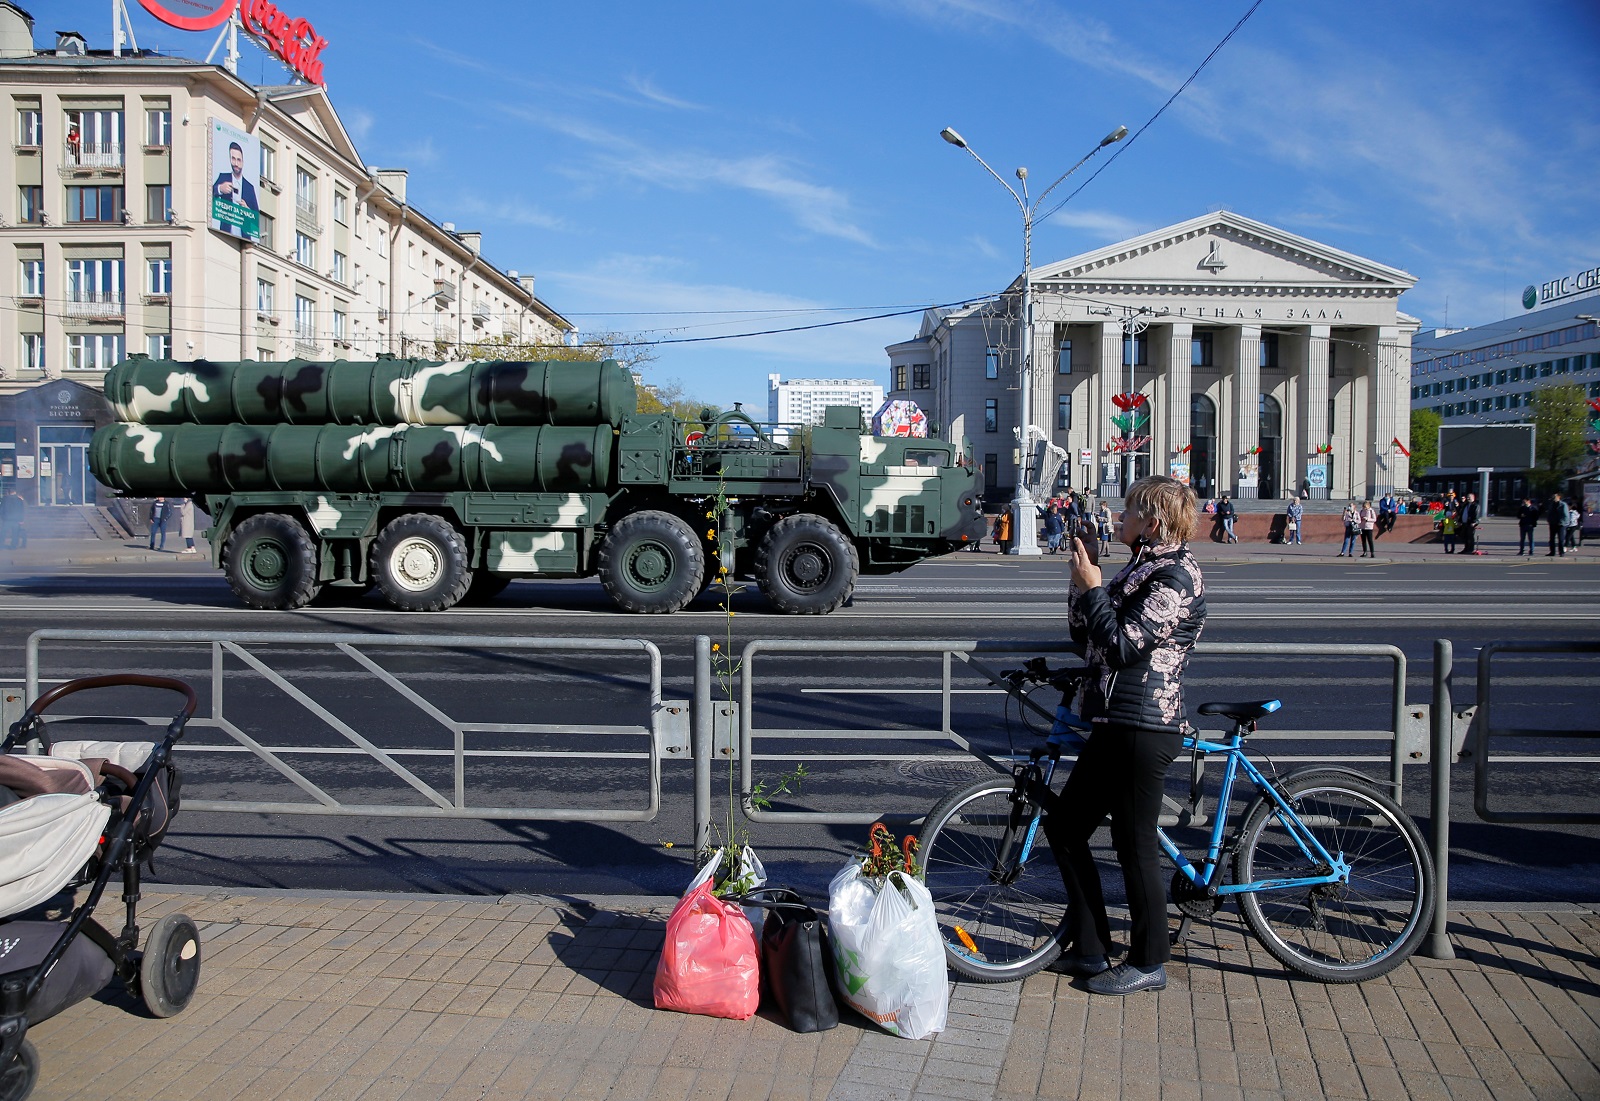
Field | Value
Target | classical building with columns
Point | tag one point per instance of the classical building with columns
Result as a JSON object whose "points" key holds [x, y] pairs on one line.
{"points": [[1267, 362]]}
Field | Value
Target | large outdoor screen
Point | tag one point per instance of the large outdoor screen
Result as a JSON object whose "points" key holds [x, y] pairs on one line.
{"points": [[1502, 446]]}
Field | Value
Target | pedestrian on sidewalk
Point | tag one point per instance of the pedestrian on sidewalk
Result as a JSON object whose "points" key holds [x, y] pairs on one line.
{"points": [[1138, 632], [1388, 509], [1447, 531], [13, 531], [186, 524], [1226, 512], [1556, 517], [1369, 526], [1102, 523], [1574, 524], [1054, 528], [1002, 530], [158, 522], [1352, 528], [1296, 513], [1527, 520], [1471, 519]]}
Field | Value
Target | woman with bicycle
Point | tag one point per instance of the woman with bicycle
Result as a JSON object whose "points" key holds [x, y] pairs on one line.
{"points": [[1138, 632]]}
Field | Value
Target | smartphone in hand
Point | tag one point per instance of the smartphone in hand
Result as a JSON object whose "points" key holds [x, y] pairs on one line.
{"points": [[1091, 549]]}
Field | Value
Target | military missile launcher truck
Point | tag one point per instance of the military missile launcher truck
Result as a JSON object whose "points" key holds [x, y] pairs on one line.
{"points": [[439, 481]]}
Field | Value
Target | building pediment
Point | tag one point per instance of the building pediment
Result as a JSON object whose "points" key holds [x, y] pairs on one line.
{"points": [[1222, 250]]}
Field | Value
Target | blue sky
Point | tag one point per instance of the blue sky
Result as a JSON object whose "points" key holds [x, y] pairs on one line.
{"points": [[653, 164]]}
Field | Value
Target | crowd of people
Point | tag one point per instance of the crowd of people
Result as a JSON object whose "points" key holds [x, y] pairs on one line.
{"points": [[1064, 517]]}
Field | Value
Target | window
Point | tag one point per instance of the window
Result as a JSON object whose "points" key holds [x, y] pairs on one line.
{"points": [[1063, 412], [159, 345], [991, 362], [305, 191], [1561, 366], [93, 351], [438, 271], [1516, 373], [1139, 344], [1449, 385], [338, 272], [991, 414], [94, 204], [158, 126], [1499, 378], [1269, 350], [1437, 389], [30, 128], [266, 355], [339, 319], [33, 351], [991, 471], [269, 226], [157, 202], [305, 318], [1064, 358], [1500, 402], [94, 138], [411, 254], [1331, 408], [269, 163], [383, 244], [899, 377], [30, 204], [266, 294], [1333, 357], [1547, 368], [32, 279], [1472, 406], [341, 208], [94, 283], [921, 376], [1200, 350], [305, 250], [160, 276], [1472, 383]]}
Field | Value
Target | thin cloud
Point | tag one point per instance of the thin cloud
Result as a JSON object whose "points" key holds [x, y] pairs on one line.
{"points": [[1101, 224], [647, 90], [508, 212]]}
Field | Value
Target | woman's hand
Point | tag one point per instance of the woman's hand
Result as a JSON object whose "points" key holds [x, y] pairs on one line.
{"points": [[1085, 568]]}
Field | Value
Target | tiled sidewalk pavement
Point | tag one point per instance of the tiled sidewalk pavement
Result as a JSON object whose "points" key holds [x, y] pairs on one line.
{"points": [[353, 996]]}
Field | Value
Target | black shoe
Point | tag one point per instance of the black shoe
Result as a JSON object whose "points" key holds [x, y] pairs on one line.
{"points": [[1080, 967], [1125, 979]]}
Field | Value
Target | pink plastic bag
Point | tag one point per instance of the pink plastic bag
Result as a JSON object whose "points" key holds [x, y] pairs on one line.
{"points": [[709, 964]]}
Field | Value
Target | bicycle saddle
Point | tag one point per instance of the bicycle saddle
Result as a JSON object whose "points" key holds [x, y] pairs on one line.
{"points": [[1241, 712]]}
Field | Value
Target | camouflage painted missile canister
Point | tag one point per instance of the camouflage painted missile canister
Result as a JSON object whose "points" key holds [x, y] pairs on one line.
{"points": [[386, 392], [151, 460]]}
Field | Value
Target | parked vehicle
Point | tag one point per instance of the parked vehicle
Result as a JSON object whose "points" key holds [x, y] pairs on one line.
{"points": [[434, 480]]}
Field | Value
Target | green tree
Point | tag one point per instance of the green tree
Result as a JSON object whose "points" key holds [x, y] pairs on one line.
{"points": [[1560, 416], [617, 346], [1424, 440]]}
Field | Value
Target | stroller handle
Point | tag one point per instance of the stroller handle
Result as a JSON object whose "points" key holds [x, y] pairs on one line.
{"points": [[116, 680]]}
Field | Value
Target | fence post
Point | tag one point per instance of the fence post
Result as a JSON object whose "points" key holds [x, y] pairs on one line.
{"points": [[1443, 719], [701, 744]]}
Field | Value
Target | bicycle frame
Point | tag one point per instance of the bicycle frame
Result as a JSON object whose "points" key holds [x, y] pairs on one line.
{"points": [[1207, 875]]}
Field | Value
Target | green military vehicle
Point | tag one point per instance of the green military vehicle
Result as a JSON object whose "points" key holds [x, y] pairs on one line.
{"points": [[436, 482]]}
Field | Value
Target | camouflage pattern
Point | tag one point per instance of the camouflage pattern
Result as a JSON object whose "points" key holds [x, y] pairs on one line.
{"points": [[524, 553], [389, 391], [191, 459]]}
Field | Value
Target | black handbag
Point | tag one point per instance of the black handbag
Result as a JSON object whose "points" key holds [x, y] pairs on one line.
{"points": [[796, 962]]}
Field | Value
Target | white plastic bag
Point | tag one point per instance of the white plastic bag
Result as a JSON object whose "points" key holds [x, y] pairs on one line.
{"points": [[751, 874], [889, 953]]}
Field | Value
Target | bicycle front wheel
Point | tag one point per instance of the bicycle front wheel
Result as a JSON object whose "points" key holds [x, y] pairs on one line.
{"points": [[1347, 931], [1000, 921]]}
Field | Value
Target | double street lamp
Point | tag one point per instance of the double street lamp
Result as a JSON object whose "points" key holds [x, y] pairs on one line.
{"points": [[1024, 528]]}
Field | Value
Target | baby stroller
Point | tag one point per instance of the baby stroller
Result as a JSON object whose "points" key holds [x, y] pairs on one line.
{"points": [[78, 814]]}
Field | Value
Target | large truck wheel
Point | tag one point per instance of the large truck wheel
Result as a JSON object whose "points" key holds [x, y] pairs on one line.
{"points": [[651, 562], [420, 563], [806, 566], [270, 562]]}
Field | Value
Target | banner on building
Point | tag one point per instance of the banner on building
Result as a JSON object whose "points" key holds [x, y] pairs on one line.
{"points": [[1249, 473], [1317, 475], [235, 162], [1178, 469]]}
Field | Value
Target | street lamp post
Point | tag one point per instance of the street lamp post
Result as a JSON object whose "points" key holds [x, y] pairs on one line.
{"points": [[1024, 529]]}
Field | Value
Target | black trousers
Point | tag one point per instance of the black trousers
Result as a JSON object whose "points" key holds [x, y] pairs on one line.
{"points": [[1469, 537], [1119, 773], [1558, 541]]}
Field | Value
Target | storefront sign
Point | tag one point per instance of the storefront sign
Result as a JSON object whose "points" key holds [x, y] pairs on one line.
{"points": [[64, 404], [1086, 456], [295, 41], [1568, 286]]}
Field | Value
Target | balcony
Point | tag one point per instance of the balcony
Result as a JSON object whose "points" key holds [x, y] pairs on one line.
{"points": [[105, 305], [305, 216], [305, 342], [480, 312], [445, 290], [92, 159]]}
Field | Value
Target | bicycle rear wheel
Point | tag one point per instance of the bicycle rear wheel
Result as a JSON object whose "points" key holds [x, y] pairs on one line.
{"points": [[998, 925], [1339, 932]]}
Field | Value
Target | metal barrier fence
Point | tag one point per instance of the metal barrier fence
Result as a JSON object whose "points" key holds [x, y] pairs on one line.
{"points": [[1406, 736], [664, 730]]}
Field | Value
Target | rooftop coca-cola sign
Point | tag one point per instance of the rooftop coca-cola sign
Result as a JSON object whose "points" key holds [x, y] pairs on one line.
{"points": [[294, 40]]}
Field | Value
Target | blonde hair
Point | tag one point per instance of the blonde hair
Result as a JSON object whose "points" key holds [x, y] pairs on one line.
{"points": [[1168, 502]]}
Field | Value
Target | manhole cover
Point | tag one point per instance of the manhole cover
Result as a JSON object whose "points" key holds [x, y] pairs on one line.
{"points": [[951, 771]]}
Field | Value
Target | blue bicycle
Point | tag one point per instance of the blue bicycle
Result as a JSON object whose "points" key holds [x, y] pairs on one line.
{"points": [[1330, 874]]}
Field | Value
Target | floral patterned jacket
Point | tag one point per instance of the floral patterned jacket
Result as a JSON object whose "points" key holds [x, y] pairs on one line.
{"points": [[1138, 632]]}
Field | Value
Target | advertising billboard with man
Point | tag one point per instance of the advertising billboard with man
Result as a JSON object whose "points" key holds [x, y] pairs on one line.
{"points": [[235, 160]]}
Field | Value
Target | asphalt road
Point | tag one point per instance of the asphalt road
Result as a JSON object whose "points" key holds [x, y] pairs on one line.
{"points": [[1405, 604]]}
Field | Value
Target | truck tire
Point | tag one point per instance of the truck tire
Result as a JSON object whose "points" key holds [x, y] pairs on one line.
{"points": [[806, 566], [270, 562], [651, 562], [420, 563]]}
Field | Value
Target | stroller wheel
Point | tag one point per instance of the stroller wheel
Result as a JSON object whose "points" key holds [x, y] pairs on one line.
{"points": [[16, 1081], [170, 969]]}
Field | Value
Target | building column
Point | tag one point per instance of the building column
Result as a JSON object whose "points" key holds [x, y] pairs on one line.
{"points": [[1113, 379], [1174, 356], [1389, 410], [1312, 422], [1246, 408]]}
